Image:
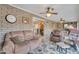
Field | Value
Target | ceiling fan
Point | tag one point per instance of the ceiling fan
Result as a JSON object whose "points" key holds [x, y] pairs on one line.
{"points": [[49, 12]]}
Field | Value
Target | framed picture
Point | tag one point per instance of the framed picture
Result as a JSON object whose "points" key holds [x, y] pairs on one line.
{"points": [[26, 20]]}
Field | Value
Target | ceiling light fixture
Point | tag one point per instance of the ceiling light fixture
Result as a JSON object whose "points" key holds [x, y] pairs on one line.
{"points": [[48, 14]]}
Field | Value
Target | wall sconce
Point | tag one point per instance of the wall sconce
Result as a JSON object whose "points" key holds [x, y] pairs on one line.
{"points": [[61, 20], [36, 26], [25, 20]]}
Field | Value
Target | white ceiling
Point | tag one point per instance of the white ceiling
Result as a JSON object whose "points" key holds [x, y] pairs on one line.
{"points": [[69, 12]]}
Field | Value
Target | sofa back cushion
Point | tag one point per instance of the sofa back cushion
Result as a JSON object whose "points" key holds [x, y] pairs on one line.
{"points": [[17, 39], [17, 33], [24, 35]]}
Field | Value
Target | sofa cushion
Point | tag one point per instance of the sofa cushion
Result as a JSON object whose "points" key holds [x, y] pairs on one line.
{"points": [[28, 36], [17, 39]]}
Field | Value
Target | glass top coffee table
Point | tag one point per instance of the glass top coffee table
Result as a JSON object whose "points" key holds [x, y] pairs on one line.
{"points": [[62, 47]]}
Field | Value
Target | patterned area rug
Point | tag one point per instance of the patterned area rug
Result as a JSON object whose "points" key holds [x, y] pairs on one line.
{"points": [[50, 48]]}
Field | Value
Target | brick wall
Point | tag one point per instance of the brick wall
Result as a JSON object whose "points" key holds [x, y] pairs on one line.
{"points": [[19, 25]]}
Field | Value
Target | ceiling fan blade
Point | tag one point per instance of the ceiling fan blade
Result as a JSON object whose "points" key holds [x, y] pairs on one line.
{"points": [[48, 8], [54, 13], [42, 13], [52, 9]]}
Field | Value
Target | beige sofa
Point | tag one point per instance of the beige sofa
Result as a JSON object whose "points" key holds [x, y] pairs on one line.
{"points": [[31, 41]]}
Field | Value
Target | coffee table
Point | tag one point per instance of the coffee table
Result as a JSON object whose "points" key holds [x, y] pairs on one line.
{"points": [[62, 47]]}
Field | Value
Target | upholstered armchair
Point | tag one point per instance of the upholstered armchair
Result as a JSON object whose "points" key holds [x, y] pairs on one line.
{"points": [[20, 42], [55, 36]]}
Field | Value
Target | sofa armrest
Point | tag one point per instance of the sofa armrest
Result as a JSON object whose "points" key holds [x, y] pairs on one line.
{"points": [[8, 47], [2, 52]]}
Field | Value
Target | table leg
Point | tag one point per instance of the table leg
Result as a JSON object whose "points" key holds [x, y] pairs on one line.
{"points": [[59, 49], [65, 50]]}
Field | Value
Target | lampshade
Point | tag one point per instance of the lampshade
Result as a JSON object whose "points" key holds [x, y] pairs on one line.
{"points": [[71, 27], [66, 25]]}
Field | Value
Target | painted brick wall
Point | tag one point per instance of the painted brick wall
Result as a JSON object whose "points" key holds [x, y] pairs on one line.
{"points": [[19, 25]]}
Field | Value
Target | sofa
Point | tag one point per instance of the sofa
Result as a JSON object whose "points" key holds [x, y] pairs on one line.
{"points": [[21, 42]]}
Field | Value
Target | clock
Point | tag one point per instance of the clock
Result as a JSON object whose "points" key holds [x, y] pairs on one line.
{"points": [[10, 18]]}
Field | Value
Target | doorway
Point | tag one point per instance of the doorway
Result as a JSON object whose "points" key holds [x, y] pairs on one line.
{"points": [[39, 27]]}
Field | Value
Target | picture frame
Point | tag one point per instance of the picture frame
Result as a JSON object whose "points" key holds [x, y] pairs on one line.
{"points": [[25, 20]]}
